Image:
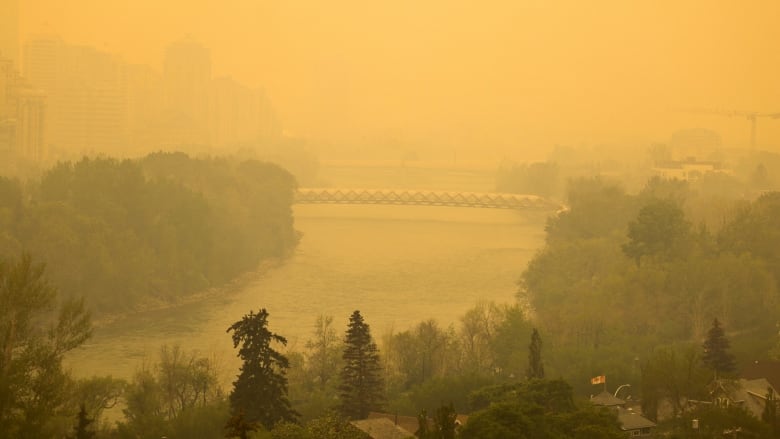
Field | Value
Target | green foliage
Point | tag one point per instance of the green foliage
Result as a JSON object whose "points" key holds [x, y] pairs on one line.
{"points": [[34, 337], [260, 390], [540, 178], [179, 393], [537, 409], [238, 426], [82, 430], [329, 426], [121, 232], [362, 388], [660, 230], [604, 312], [675, 375], [323, 356], [717, 422], [535, 366], [755, 230], [716, 352], [597, 208]]}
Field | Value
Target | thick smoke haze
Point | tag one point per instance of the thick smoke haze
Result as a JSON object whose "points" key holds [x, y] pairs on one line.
{"points": [[503, 75], [495, 76]]}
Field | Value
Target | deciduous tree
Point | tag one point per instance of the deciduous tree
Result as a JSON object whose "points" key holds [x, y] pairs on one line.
{"points": [[33, 342]]}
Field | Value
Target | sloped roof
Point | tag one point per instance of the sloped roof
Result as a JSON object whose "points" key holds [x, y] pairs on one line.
{"points": [[408, 423], [763, 369], [411, 423], [382, 428], [753, 392], [631, 420], [606, 399]]}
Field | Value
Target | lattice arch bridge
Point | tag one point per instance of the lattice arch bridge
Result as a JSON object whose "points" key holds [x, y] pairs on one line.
{"points": [[413, 197]]}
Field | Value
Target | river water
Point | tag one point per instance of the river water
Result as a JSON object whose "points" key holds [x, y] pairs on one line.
{"points": [[398, 265]]}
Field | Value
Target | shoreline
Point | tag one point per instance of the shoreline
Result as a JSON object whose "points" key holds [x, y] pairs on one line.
{"points": [[228, 288]]}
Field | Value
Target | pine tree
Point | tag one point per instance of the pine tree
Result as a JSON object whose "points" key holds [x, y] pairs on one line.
{"points": [[260, 390], [361, 389], [716, 351], [535, 366], [82, 429]]}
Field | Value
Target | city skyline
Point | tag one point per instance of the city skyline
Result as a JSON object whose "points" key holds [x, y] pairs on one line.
{"points": [[514, 75]]}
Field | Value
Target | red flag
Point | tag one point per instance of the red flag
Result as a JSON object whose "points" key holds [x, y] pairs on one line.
{"points": [[601, 379]]}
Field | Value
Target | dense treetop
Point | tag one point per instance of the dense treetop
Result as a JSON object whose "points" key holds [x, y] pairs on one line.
{"points": [[119, 232]]}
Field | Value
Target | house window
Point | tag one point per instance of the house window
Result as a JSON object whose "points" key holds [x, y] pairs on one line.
{"points": [[635, 432]]}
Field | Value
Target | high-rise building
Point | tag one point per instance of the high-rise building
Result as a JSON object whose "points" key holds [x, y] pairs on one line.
{"points": [[22, 116], [9, 31], [86, 95], [187, 77]]}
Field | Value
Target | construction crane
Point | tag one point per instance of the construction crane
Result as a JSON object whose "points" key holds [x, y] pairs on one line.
{"points": [[752, 116]]}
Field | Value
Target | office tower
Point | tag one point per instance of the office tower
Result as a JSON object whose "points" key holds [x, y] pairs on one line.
{"points": [[187, 78], [9, 31], [22, 116], [86, 99]]}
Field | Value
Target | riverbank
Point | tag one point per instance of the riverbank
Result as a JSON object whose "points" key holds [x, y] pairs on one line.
{"points": [[152, 304]]}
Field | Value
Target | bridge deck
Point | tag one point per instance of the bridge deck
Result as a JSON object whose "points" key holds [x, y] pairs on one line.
{"points": [[423, 198]]}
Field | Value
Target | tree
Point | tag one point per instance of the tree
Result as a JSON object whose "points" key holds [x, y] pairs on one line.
{"points": [[535, 366], [238, 426], [716, 351], [323, 351], [33, 341], [261, 387], [82, 429], [659, 229], [361, 389]]}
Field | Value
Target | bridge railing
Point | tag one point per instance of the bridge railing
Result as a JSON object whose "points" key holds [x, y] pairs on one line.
{"points": [[423, 198]]}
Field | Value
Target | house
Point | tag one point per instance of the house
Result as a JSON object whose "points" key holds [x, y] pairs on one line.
{"points": [[689, 169], [634, 424], [748, 394], [411, 423], [763, 369], [631, 422], [382, 428]]}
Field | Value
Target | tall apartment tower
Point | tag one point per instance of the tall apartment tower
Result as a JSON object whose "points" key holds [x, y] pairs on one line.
{"points": [[22, 116], [187, 78], [85, 90], [9, 31]]}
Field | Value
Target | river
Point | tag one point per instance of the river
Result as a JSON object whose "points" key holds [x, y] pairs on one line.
{"points": [[398, 265]]}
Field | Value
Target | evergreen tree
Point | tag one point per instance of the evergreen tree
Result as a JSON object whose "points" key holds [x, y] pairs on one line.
{"points": [[535, 366], [261, 388], [82, 429], [361, 389], [716, 351]]}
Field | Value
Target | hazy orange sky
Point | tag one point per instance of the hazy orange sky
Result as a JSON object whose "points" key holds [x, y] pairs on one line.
{"points": [[500, 75]]}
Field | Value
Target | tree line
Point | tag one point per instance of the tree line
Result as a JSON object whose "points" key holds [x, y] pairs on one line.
{"points": [[122, 232]]}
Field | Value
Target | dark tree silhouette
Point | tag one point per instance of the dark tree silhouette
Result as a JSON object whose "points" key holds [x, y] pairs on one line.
{"points": [[716, 351], [238, 426], [261, 387], [82, 429], [361, 389], [535, 366]]}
